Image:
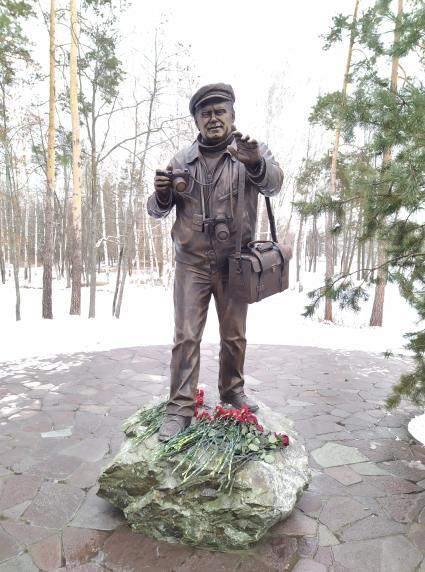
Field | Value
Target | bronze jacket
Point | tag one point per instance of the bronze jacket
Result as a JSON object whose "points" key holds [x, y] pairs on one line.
{"points": [[196, 243]]}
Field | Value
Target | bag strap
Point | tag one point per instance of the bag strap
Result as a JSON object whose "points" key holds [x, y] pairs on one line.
{"points": [[271, 219], [240, 207], [239, 212]]}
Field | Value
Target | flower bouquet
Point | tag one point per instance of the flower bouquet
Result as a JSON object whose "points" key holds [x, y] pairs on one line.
{"points": [[218, 444]]}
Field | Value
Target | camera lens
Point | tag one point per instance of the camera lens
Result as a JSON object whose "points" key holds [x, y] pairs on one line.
{"points": [[222, 231], [180, 184]]}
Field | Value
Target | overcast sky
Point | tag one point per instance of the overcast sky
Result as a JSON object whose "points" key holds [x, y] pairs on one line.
{"points": [[250, 45]]}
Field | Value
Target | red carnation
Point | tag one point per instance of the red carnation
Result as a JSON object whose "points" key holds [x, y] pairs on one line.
{"points": [[200, 396]]}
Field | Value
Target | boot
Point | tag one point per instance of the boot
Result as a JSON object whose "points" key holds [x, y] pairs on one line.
{"points": [[172, 425], [240, 399]]}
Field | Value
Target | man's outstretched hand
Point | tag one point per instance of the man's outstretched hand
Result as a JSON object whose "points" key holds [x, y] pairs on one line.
{"points": [[247, 152]]}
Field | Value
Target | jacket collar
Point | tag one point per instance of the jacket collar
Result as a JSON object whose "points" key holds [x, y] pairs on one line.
{"points": [[193, 152]]}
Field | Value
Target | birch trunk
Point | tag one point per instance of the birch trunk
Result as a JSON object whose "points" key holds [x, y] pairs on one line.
{"points": [[76, 270], [47, 310]]}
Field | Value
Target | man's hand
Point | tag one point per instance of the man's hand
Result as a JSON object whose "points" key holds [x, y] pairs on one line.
{"points": [[248, 151], [162, 183]]}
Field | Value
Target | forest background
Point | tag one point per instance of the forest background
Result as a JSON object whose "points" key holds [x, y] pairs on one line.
{"points": [[94, 97]]}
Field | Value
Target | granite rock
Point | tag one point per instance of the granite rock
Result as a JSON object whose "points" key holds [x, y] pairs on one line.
{"points": [[156, 504]]}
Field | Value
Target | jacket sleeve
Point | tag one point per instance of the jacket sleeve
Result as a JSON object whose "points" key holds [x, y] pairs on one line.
{"points": [[157, 209], [270, 178]]}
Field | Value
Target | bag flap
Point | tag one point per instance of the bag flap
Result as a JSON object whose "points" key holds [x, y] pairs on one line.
{"points": [[268, 259], [252, 260]]}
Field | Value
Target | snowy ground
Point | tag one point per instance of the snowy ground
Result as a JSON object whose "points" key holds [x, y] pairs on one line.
{"points": [[147, 319]]}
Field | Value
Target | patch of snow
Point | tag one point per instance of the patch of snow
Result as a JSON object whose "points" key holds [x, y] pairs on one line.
{"points": [[416, 428]]}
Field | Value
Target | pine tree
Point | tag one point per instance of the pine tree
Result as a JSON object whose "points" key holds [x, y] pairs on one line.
{"points": [[388, 188]]}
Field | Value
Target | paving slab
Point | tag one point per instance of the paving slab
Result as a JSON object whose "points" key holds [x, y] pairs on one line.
{"points": [[372, 527], [392, 554], [364, 509], [344, 475], [54, 506], [8, 546], [342, 511], [334, 455], [47, 553], [369, 469], [21, 563]]}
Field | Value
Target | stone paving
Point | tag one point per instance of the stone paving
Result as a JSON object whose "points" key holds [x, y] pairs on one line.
{"points": [[60, 423]]}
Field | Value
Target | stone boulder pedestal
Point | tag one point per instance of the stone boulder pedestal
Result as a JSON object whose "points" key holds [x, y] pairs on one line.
{"points": [[155, 503]]}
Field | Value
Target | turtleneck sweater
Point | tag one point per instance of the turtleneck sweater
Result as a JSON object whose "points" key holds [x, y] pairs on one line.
{"points": [[212, 153]]}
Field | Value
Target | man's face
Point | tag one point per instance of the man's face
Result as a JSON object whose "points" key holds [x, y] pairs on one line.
{"points": [[214, 120]]}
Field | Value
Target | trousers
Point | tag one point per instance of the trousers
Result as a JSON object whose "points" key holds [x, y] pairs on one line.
{"points": [[193, 287]]}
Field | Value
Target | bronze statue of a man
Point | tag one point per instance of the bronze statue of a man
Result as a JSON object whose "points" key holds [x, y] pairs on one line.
{"points": [[205, 196]]}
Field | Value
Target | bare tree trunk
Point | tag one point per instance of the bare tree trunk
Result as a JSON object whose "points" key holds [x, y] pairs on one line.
{"points": [[2, 241], [138, 183], [299, 247], [35, 237], [64, 221], [76, 271], [12, 212], [47, 310], [121, 288], [359, 246], [378, 301], [329, 254], [105, 243], [117, 222], [351, 253], [25, 239], [93, 223], [315, 244], [117, 283], [13, 216], [136, 238]]}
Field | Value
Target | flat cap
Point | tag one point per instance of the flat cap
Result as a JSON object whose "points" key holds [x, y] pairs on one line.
{"points": [[211, 91]]}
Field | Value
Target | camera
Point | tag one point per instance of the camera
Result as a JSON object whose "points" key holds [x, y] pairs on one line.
{"points": [[221, 228], [220, 224], [179, 179]]}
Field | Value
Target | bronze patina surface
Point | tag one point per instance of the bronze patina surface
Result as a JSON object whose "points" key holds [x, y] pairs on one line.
{"points": [[204, 236]]}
